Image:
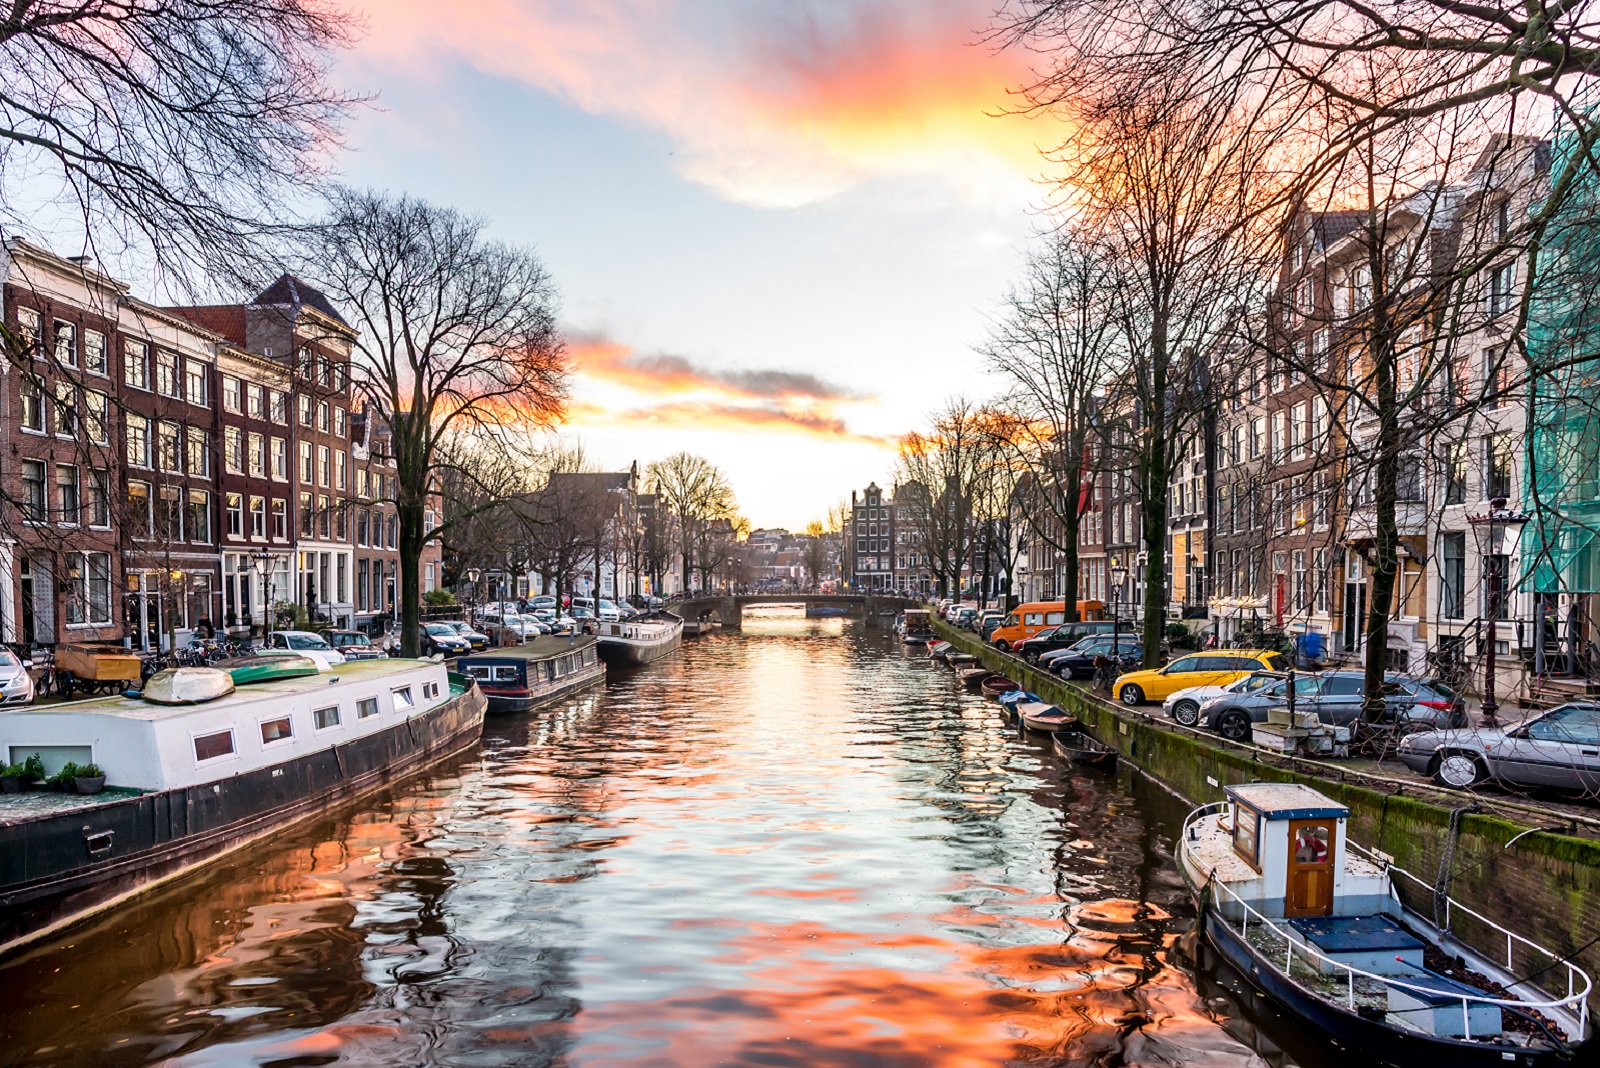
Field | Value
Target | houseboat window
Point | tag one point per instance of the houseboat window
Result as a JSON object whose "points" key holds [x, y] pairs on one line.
{"points": [[430, 690], [403, 699], [505, 674], [211, 746], [1246, 832], [367, 706], [326, 717], [480, 671], [276, 730]]}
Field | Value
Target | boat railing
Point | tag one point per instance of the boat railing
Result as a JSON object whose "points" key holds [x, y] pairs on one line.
{"points": [[1576, 1001]]}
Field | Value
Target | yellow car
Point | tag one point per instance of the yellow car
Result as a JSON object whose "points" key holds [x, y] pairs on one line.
{"points": [[1216, 668]]}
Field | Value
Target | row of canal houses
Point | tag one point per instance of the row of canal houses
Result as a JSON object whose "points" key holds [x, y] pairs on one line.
{"points": [[1270, 519], [170, 469]]}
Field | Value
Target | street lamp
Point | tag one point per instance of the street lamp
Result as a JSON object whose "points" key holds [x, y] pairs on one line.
{"points": [[1493, 531], [472, 575], [1119, 574], [263, 562]]}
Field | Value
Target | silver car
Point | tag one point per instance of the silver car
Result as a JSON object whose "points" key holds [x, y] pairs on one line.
{"points": [[1560, 748]]}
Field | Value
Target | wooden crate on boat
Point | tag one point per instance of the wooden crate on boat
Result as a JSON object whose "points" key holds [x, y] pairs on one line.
{"points": [[99, 663]]}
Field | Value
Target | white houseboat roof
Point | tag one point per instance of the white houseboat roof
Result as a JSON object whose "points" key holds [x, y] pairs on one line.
{"points": [[157, 747], [1287, 801]]}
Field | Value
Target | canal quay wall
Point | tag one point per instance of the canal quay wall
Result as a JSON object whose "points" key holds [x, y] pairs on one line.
{"points": [[1545, 885]]}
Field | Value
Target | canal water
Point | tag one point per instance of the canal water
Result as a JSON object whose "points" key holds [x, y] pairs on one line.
{"points": [[800, 845]]}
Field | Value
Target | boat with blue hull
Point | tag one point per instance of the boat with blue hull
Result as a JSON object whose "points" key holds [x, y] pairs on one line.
{"points": [[188, 784], [521, 678], [1319, 925]]}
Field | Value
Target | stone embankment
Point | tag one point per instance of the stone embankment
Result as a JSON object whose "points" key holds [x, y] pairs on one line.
{"points": [[1509, 861]]}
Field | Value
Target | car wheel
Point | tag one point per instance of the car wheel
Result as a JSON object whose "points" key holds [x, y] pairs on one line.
{"points": [[1186, 712], [1131, 695], [1003, 645], [1234, 726], [1460, 770]]}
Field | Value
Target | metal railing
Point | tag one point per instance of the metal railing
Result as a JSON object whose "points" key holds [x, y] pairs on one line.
{"points": [[1574, 996]]}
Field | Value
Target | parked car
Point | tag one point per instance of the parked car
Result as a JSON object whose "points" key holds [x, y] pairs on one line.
{"points": [[1067, 636], [352, 644], [1078, 662], [309, 645], [1336, 697], [508, 629], [476, 638], [16, 685], [965, 617], [1560, 748], [1184, 705], [609, 612], [442, 638], [988, 622], [1195, 669], [1121, 639], [544, 600]]}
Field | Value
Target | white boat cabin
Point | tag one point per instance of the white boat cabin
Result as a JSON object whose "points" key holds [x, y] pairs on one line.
{"points": [[161, 747], [1282, 848]]}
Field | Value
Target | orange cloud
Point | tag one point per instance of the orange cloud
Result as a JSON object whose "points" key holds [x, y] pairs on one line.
{"points": [[772, 103], [611, 361], [691, 415]]}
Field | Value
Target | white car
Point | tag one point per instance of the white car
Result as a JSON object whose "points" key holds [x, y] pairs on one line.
{"points": [[1184, 705], [16, 685], [309, 645], [609, 612]]}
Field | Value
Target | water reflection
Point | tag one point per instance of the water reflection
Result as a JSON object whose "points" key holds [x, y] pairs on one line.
{"points": [[795, 846]]}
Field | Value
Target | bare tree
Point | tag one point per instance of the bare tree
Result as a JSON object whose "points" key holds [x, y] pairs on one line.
{"points": [[1055, 342], [180, 129], [457, 335], [696, 494], [943, 480]]}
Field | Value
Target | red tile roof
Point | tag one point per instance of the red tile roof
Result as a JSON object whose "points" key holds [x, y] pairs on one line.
{"points": [[225, 319]]}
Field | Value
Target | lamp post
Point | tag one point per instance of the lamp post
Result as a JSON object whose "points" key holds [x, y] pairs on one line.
{"points": [[1492, 530], [1118, 575], [263, 562]]}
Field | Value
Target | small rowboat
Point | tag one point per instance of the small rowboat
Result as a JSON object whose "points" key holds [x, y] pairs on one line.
{"points": [[1047, 719], [995, 685], [1016, 697], [973, 677], [957, 660], [1076, 745], [266, 667], [938, 649], [187, 686]]}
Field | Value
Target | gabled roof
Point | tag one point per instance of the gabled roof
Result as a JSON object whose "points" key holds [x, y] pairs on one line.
{"points": [[290, 290], [225, 319], [1329, 226]]}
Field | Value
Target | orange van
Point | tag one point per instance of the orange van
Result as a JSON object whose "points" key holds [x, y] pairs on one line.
{"points": [[1026, 620]]}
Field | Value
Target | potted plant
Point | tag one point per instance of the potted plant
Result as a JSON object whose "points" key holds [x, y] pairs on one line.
{"points": [[66, 780], [13, 778], [33, 771], [91, 779]]}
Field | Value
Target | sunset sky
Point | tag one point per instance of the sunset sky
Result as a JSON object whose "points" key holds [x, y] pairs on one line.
{"points": [[778, 225]]}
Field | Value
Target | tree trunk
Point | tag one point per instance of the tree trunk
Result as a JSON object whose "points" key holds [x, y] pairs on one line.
{"points": [[1382, 579], [411, 536]]}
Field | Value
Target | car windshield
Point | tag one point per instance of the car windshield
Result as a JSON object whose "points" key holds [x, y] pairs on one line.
{"points": [[1046, 632], [441, 630], [9, 659], [346, 639], [306, 641]]}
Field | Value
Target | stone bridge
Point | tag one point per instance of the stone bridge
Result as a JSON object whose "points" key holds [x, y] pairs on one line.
{"points": [[875, 608]]}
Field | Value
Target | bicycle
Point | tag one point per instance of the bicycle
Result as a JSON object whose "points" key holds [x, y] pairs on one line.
{"points": [[46, 683]]}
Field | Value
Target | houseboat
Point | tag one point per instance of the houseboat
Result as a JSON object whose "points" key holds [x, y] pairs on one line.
{"points": [[640, 641], [916, 626], [1323, 928], [189, 783], [520, 678]]}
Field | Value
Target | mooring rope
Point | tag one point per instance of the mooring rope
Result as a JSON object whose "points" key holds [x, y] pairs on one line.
{"points": [[1441, 885]]}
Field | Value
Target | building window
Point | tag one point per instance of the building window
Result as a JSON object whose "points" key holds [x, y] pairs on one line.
{"points": [[34, 503], [167, 374], [32, 393], [279, 405], [1495, 570], [94, 353], [233, 450], [305, 410], [172, 508], [324, 420], [232, 395], [280, 519], [89, 588], [235, 505], [28, 327], [324, 466], [136, 364], [340, 475], [99, 498], [280, 460], [258, 517], [324, 518], [256, 400], [307, 474], [394, 531], [340, 426], [96, 408], [1497, 466], [140, 516], [199, 449], [1502, 285], [170, 450], [258, 455], [67, 493], [194, 376], [66, 344], [306, 515], [199, 516], [138, 446], [1452, 575]]}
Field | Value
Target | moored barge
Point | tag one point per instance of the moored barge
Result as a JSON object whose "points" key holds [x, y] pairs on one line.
{"points": [[187, 784], [520, 678], [1319, 926], [640, 641]]}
